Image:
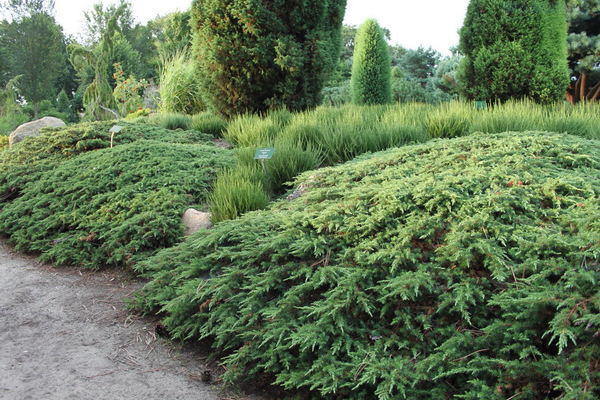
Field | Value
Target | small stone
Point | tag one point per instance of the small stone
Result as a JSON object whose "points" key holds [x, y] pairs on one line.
{"points": [[206, 376], [195, 220]]}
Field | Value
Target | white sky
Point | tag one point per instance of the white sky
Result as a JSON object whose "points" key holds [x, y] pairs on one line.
{"points": [[430, 23]]}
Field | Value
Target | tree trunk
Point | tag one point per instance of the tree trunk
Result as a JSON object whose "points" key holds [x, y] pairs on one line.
{"points": [[570, 95], [578, 90], [35, 110], [594, 93], [583, 87]]}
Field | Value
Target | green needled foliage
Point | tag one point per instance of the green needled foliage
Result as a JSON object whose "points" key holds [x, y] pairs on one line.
{"points": [[371, 71], [464, 268], [255, 55], [583, 47], [70, 196], [514, 49]]}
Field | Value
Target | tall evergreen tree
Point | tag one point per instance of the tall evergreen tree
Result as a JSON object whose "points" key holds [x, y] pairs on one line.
{"points": [[583, 45], [371, 70], [255, 55], [514, 49]]}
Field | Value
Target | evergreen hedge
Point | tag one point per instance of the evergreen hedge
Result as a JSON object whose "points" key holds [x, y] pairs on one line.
{"points": [[69, 196], [464, 268]]}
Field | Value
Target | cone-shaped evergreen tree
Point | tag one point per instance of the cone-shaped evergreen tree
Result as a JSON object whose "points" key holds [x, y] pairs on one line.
{"points": [[371, 69], [256, 55], [514, 49]]}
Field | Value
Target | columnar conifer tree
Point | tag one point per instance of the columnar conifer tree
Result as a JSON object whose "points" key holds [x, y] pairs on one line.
{"points": [[256, 55], [514, 49], [371, 69]]}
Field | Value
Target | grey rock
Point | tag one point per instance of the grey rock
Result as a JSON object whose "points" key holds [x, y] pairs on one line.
{"points": [[195, 220], [33, 129]]}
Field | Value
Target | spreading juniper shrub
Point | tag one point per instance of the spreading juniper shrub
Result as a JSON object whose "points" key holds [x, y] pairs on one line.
{"points": [[463, 268], [111, 206], [31, 158]]}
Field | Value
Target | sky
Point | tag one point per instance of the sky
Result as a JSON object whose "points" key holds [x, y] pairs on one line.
{"points": [[412, 23]]}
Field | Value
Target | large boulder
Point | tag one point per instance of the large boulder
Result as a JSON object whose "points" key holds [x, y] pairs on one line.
{"points": [[33, 128], [194, 220]]}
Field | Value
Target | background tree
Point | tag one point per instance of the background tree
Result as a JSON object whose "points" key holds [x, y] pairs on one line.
{"points": [[172, 33], [133, 44], [583, 45], [255, 55], [112, 38], [445, 76], [34, 45], [371, 69], [514, 49], [95, 71], [343, 69], [98, 21], [418, 65]]}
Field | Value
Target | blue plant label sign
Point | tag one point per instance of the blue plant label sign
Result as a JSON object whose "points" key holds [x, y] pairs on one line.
{"points": [[115, 129], [264, 154], [480, 105]]}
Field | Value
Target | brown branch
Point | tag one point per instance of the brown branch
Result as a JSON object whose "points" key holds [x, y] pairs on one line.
{"points": [[469, 355], [96, 376]]}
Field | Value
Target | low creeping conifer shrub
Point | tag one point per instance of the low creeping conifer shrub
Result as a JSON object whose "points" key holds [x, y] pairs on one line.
{"points": [[31, 158], [464, 268], [110, 206]]}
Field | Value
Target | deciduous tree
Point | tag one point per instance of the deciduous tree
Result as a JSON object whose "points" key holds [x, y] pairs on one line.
{"points": [[34, 44]]}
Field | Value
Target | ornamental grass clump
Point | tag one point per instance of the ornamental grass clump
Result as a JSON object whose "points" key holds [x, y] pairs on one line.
{"points": [[252, 130], [208, 122], [463, 268], [289, 160], [237, 191], [449, 120], [171, 120]]}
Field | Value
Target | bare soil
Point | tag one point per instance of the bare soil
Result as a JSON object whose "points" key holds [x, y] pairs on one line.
{"points": [[67, 334]]}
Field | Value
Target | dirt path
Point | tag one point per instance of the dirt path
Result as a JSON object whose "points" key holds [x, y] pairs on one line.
{"points": [[65, 334]]}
